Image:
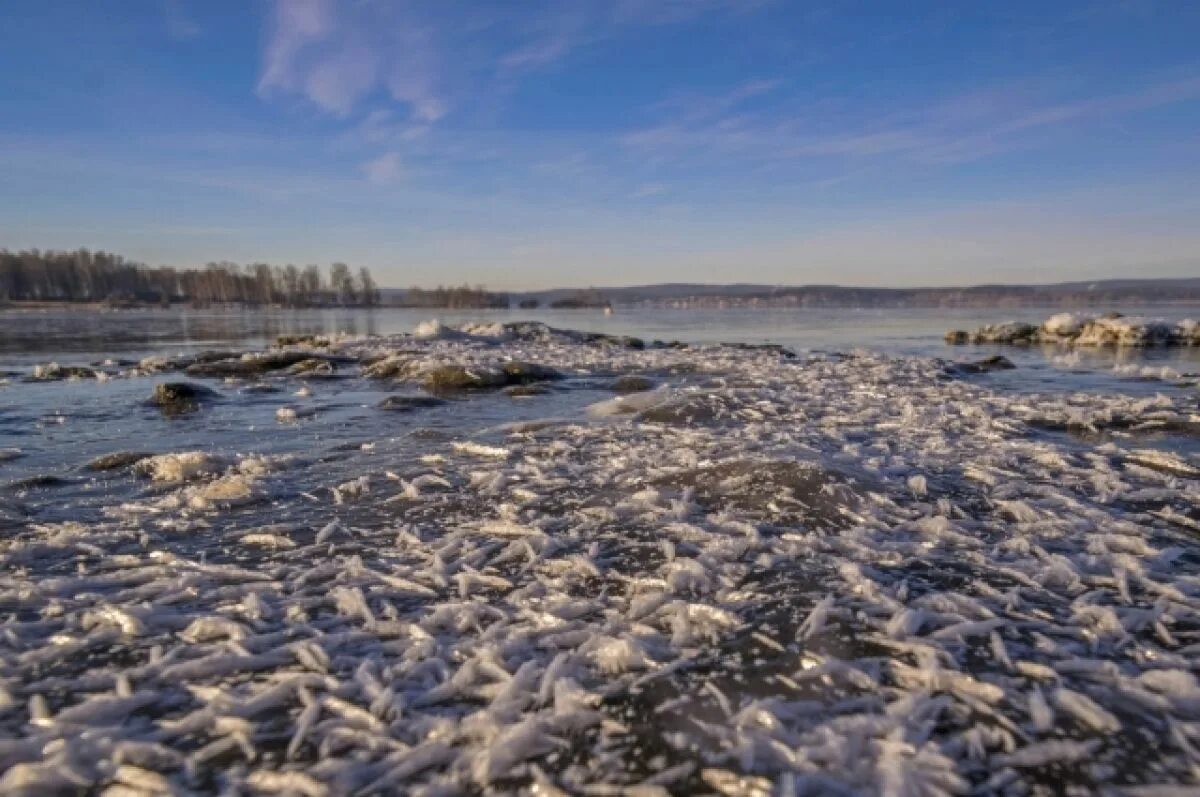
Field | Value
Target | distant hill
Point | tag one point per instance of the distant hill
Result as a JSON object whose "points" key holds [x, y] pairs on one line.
{"points": [[1081, 294]]}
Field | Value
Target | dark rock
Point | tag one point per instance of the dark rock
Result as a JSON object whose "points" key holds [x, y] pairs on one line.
{"points": [[451, 378], [622, 341], [214, 356], [986, 365], [632, 384], [958, 337], [117, 460], [36, 482], [301, 340], [389, 367], [312, 367], [522, 391], [521, 373], [781, 350], [247, 366], [410, 403], [180, 396], [1015, 333]]}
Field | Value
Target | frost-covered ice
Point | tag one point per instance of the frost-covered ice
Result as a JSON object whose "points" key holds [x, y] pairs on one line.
{"points": [[823, 574]]}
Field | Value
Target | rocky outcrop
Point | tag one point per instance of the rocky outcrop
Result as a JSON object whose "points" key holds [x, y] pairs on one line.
{"points": [[632, 383], [406, 403], [249, 365], [180, 396], [984, 366], [1071, 329]]}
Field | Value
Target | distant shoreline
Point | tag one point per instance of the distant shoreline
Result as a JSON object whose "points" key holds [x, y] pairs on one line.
{"points": [[682, 305]]}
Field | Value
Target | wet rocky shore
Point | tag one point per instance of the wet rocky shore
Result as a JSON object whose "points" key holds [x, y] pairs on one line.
{"points": [[1072, 329]]}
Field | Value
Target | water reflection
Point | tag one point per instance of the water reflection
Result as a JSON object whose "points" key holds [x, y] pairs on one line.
{"points": [[25, 332]]}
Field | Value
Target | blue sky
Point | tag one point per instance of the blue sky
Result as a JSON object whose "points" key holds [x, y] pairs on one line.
{"points": [[580, 142]]}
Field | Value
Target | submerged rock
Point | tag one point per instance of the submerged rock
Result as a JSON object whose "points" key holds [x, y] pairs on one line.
{"points": [[391, 367], [117, 460], [689, 410], [181, 396], [312, 367], [449, 378], [53, 372], [301, 340], [518, 372], [988, 364], [777, 348], [452, 378], [248, 365], [293, 414], [524, 391], [410, 403], [623, 341], [632, 384], [35, 482], [788, 491]]}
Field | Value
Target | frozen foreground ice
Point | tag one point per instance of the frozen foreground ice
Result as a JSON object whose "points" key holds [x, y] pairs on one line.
{"points": [[766, 574]]}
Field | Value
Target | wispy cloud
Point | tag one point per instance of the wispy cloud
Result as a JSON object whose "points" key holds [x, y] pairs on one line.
{"points": [[565, 26], [295, 25], [337, 54], [953, 131], [384, 170]]}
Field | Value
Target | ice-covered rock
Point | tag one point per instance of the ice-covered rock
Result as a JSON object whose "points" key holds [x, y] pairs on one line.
{"points": [[1074, 329], [180, 466]]}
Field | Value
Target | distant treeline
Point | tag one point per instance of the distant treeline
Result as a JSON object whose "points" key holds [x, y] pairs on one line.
{"points": [[85, 276], [463, 297], [580, 300]]}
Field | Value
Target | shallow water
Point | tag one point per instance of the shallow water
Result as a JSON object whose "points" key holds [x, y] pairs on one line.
{"points": [[824, 573]]}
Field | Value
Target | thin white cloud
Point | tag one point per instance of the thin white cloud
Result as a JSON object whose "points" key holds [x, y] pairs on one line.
{"points": [[335, 55], [384, 170], [295, 25], [960, 130], [337, 83], [539, 53]]}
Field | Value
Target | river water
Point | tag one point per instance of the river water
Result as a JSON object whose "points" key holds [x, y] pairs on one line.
{"points": [[847, 568]]}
